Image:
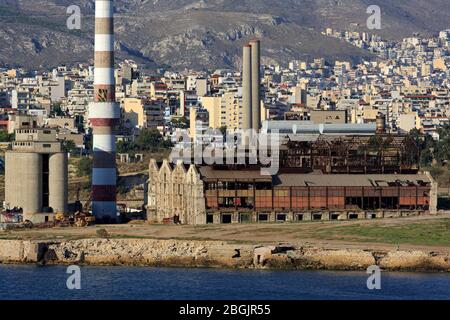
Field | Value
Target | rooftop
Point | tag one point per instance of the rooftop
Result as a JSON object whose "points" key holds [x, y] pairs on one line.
{"points": [[350, 180], [316, 178]]}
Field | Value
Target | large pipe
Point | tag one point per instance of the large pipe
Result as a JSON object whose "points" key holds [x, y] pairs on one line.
{"points": [[104, 115], [256, 84], [247, 88]]}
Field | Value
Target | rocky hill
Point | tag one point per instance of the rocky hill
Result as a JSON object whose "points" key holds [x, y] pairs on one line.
{"points": [[205, 33]]}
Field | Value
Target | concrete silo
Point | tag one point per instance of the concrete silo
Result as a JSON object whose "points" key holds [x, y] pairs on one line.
{"points": [[57, 182], [36, 174], [23, 185]]}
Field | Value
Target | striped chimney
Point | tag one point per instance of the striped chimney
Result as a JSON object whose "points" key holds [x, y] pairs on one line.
{"points": [[104, 115]]}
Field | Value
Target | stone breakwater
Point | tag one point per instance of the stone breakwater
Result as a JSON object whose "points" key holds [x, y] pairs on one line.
{"points": [[180, 253]]}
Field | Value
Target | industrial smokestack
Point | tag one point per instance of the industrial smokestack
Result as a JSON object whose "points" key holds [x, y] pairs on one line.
{"points": [[104, 115], [247, 88], [381, 123], [256, 84]]}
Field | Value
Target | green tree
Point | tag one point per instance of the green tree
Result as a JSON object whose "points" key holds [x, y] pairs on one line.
{"points": [[181, 123], [88, 139], [80, 124], [70, 146], [84, 167], [151, 140], [5, 136], [426, 158], [57, 110], [125, 146], [443, 146], [430, 149], [223, 129]]}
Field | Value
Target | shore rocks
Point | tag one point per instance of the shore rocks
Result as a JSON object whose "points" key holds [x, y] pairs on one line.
{"points": [[415, 261], [179, 253]]}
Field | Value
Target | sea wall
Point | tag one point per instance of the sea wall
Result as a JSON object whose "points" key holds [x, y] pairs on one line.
{"points": [[180, 253]]}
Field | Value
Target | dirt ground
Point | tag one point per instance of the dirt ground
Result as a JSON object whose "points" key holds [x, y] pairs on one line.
{"points": [[425, 232]]}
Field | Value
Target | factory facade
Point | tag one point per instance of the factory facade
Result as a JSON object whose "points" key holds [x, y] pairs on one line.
{"points": [[36, 173]]}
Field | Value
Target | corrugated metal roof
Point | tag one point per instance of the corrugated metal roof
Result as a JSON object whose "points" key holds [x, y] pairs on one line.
{"points": [[209, 173], [315, 179], [348, 180], [306, 127]]}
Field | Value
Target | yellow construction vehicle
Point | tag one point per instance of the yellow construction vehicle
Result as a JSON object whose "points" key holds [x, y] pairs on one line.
{"points": [[59, 217], [84, 219]]}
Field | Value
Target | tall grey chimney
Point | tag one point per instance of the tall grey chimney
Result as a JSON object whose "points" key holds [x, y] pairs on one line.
{"points": [[247, 88], [256, 84]]}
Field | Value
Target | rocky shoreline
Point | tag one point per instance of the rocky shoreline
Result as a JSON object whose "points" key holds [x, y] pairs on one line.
{"points": [[214, 254]]}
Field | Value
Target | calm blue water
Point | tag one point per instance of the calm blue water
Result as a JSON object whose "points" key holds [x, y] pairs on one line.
{"points": [[36, 282]]}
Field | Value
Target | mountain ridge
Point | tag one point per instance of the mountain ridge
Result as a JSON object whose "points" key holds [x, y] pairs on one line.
{"points": [[205, 34]]}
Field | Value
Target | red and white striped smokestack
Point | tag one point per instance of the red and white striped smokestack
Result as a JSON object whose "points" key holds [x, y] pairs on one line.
{"points": [[104, 115]]}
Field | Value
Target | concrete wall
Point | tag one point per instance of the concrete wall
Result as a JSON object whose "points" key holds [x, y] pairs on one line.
{"points": [[173, 192], [334, 116], [299, 216], [433, 193]]}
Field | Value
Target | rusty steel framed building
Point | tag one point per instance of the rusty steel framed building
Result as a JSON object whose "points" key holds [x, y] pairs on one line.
{"points": [[246, 196], [351, 154], [320, 177]]}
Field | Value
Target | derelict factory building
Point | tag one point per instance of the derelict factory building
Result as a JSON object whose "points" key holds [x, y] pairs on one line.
{"points": [[325, 174]]}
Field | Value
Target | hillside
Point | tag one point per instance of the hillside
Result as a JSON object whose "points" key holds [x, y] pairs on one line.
{"points": [[207, 33]]}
